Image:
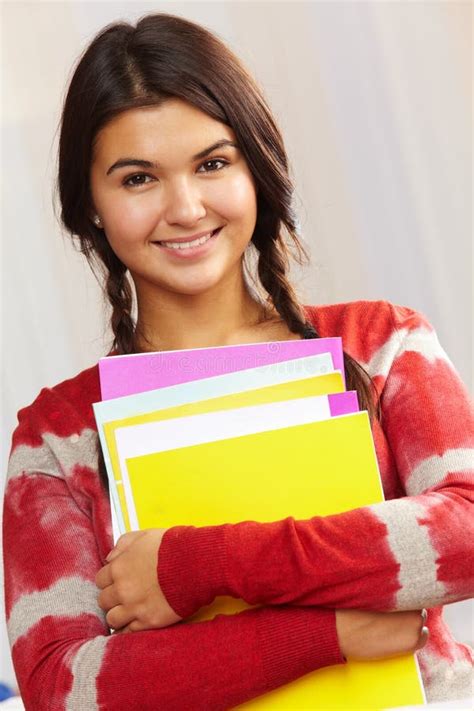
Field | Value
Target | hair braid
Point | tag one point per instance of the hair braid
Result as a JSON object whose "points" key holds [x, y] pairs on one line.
{"points": [[119, 293], [117, 288], [272, 267]]}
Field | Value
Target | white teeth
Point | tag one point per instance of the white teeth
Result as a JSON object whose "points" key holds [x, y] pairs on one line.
{"points": [[185, 245]]}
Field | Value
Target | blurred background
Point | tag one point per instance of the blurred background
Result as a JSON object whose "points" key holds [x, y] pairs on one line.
{"points": [[374, 100]]}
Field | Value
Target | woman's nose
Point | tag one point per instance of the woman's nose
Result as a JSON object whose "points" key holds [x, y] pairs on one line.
{"points": [[183, 203]]}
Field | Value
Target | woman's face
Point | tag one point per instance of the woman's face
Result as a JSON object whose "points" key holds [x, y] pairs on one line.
{"points": [[148, 187]]}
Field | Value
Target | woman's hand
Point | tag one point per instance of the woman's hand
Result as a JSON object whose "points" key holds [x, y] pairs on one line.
{"points": [[130, 592], [367, 635]]}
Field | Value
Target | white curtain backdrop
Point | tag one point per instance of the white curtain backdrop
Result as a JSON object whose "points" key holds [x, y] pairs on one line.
{"points": [[375, 103]]}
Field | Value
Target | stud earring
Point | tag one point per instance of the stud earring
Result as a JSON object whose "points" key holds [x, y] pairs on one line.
{"points": [[97, 221]]}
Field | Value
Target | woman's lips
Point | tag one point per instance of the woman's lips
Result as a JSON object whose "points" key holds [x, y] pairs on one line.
{"points": [[188, 252]]}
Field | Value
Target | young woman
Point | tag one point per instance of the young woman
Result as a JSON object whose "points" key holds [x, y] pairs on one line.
{"points": [[171, 171]]}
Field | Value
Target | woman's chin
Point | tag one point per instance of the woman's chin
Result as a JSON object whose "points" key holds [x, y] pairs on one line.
{"points": [[193, 288]]}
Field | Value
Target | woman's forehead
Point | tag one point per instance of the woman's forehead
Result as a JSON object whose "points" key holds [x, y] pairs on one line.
{"points": [[163, 131]]}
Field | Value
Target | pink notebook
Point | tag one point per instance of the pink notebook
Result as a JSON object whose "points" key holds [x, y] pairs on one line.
{"points": [[130, 374]]}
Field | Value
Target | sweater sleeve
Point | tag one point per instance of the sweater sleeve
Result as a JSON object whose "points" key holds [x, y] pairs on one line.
{"points": [[63, 653], [405, 553]]}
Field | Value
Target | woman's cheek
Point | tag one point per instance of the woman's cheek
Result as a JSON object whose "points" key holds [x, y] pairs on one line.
{"points": [[135, 221], [234, 198]]}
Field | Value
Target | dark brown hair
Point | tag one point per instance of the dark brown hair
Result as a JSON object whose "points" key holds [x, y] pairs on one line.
{"points": [[162, 57]]}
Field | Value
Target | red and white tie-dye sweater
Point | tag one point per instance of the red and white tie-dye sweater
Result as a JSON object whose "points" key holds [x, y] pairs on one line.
{"points": [[414, 550]]}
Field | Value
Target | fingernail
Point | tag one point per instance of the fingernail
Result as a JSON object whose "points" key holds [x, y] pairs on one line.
{"points": [[424, 615], [424, 634]]}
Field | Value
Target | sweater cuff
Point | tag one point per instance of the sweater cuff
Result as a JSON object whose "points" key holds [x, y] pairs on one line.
{"points": [[191, 567], [299, 641]]}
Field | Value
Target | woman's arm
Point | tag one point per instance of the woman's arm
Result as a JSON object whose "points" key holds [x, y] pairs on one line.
{"points": [[64, 656], [401, 554]]}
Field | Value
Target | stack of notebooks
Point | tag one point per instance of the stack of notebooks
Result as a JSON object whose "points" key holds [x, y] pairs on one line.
{"points": [[250, 432]]}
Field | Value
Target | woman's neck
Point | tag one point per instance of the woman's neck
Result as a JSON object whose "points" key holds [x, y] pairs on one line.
{"points": [[180, 321]]}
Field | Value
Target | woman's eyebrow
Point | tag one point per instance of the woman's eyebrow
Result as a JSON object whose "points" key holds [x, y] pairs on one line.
{"points": [[124, 162]]}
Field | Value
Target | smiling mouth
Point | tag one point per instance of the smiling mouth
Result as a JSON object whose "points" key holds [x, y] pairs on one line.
{"points": [[192, 244]]}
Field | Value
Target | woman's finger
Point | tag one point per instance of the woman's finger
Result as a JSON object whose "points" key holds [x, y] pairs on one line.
{"points": [[123, 543], [424, 634], [123, 630], [108, 598], [119, 617], [134, 626], [424, 631], [104, 577]]}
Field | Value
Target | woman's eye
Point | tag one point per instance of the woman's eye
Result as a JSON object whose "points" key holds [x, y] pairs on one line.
{"points": [[129, 183], [213, 161]]}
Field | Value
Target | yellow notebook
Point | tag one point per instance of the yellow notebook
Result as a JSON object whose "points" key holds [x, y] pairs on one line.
{"points": [[303, 387], [317, 468]]}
